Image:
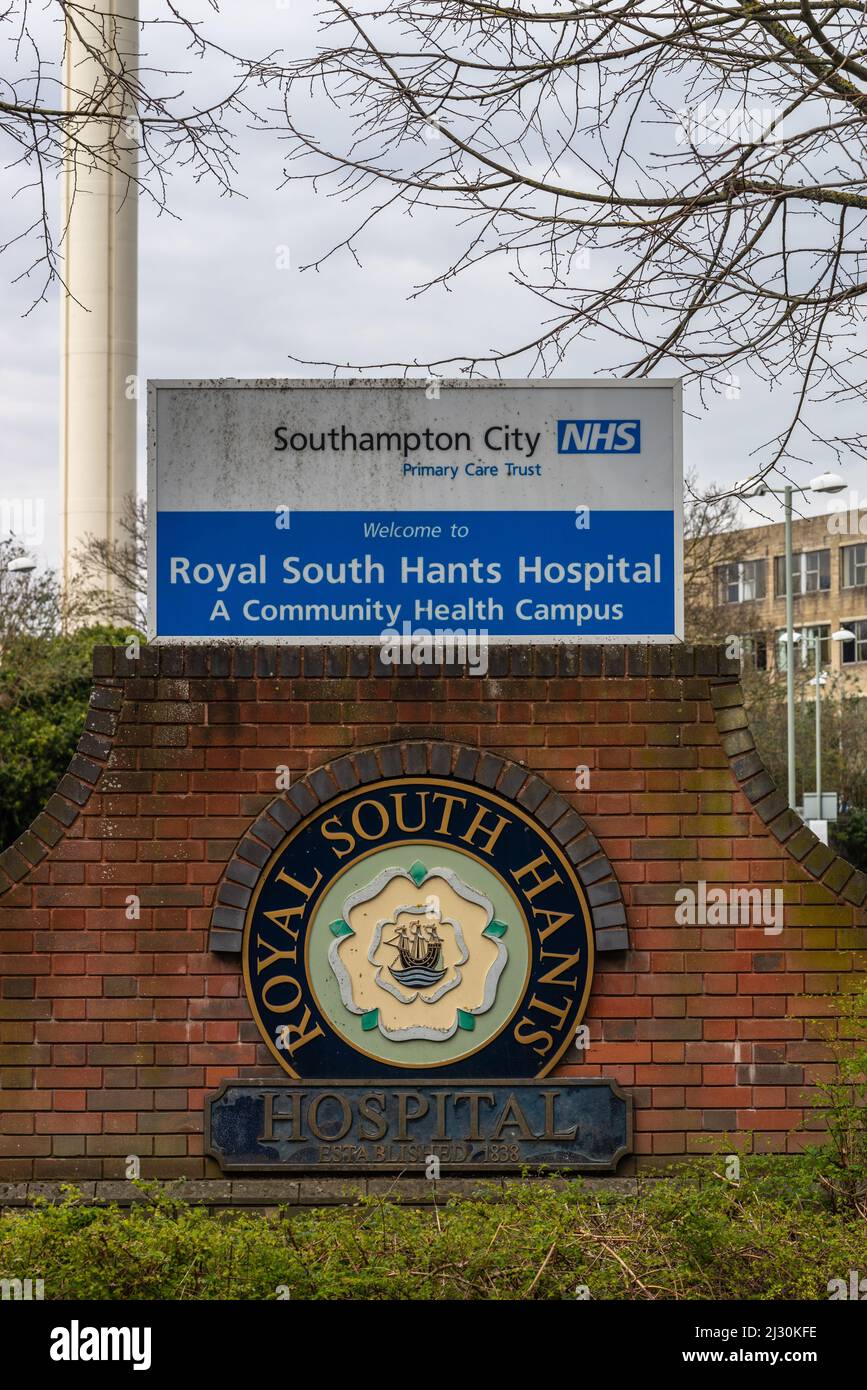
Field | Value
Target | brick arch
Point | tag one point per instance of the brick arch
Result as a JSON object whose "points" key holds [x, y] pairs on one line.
{"points": [[771, 804], [422, 758], [74, 789]]}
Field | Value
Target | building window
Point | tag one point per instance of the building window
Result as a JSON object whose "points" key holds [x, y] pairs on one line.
{"points": [[754, 650], [811, 572], [743, 581], [806, 648], [857, 650], [854, 565]]}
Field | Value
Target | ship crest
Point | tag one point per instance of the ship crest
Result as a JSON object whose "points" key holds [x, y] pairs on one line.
{"points": [[418, 953]]}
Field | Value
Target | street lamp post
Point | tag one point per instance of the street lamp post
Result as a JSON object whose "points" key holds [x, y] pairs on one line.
{"points": [[818, 646], [841, 635], [825, 482], [23, 566], [790, 651]]}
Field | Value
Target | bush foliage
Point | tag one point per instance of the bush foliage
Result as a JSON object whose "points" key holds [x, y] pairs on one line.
{"points": [[45, 683], [771, 1235], [849, 837]]}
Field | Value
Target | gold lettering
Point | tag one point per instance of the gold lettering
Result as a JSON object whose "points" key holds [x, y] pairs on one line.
{"points": [[540, 884], [493, 835], [519, 1122], [274, 981], [366, 1112], [283, 877], [528, 1040], [549, 1009], [295, 1102], [555, 921], [398, 812], [450, 801], [403, 1113], [566, 963], [280, 917], [275, 954], [383, 820], [345, 1116], [473, 1098], [550, 1122], [441, 1098], [293, 1113], [301, 1029], [338, 834]]}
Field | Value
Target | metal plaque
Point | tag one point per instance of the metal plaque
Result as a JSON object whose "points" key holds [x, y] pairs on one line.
{"points": [[561, 1125]]}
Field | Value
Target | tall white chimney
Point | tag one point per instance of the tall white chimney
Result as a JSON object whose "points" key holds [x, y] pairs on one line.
{"points": [[99, 307]]}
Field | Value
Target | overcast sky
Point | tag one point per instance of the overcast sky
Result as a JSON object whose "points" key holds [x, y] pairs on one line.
{"points": [[213, 302]]}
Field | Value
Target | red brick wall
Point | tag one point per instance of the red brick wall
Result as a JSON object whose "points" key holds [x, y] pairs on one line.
{"points": [[113, 1030]]}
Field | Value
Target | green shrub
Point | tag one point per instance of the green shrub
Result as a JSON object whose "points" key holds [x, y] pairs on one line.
{"points": [[849, 837], [45, 684], [840, 1165], [692, 1236]]}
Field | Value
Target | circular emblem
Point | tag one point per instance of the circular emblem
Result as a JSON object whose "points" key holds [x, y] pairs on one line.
{"points": [[420, 925]]}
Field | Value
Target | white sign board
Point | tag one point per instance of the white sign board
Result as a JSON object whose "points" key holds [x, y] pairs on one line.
{"points": [[828, 809], [311, 511]]}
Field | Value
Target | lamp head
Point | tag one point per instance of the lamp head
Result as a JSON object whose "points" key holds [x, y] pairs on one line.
{"points": [[828, 482], [746, 487]]}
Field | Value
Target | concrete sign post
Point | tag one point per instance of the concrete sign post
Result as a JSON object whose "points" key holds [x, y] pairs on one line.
{"points": [[310, 511]]}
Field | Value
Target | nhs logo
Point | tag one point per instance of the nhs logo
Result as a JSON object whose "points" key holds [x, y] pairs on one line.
{"points": [[598, 436]]}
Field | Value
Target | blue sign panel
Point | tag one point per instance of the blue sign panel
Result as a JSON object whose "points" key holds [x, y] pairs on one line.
{"points": [[559, 1125], [367, 511], [360, 574]]}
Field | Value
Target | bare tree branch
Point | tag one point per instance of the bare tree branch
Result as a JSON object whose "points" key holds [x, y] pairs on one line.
{"points": [[684, 184], [46, 126], [123, 602]]}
